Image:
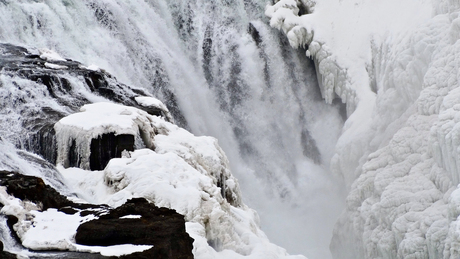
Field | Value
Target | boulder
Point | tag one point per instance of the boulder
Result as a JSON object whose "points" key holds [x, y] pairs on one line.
{"points": [[142, 223]]}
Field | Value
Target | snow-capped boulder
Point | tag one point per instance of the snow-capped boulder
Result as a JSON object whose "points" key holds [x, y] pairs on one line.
{"points": [[139, 222], [99, 132]]}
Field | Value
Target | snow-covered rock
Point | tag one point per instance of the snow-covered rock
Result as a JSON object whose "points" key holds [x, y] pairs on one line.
{"points": [[43, 219]]}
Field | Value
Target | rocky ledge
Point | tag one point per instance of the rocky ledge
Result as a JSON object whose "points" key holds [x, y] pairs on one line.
{"points": [[137, 222]]}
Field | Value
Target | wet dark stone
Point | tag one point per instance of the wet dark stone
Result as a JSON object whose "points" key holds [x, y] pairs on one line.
{"points": [[7, 255], [207, 55], [32, 189], [164, 228], [45, 143], [73, 156], [10, 221], [68, 210], [109, 146], [154, 111]]}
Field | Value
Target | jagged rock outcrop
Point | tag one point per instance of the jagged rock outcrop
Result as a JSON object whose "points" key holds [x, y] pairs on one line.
{"points": [[141, 223]]}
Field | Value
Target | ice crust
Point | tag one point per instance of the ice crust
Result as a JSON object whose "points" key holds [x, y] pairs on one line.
{"points": [[400, 159], [179, 171]]}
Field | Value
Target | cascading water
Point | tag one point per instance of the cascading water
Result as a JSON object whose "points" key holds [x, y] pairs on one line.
{"points": [[9, 243], [222, 71]]}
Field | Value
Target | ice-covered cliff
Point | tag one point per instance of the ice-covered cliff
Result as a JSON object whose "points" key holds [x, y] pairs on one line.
{"points": [[395, 64]]}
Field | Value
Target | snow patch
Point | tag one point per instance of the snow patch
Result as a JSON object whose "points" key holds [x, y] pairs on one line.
{"points": [[131, 217], [115, 250], [55, 66], [50, 55]]}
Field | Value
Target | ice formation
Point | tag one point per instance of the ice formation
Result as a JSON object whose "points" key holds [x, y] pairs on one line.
{"points": [[93, 121], [400, 158]]}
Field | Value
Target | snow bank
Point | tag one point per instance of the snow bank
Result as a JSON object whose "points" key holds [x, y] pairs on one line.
{"points": [[179, 171], [51, 230]]}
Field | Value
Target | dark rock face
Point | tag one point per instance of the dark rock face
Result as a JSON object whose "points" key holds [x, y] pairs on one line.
{"points": [[7, 255], [161, 227], [32, 189], [108, 146]]}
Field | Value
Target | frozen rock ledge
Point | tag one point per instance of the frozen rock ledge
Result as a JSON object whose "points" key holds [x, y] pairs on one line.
{"points": [[169, 167], [101, 131]]}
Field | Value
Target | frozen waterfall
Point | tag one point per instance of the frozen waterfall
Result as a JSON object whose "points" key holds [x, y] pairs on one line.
{"points": [[224, 72]]}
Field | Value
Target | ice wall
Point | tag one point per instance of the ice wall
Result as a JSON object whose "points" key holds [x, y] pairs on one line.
{"points": [[403, 166]]}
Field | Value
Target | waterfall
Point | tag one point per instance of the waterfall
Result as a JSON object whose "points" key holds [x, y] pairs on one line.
{"points": [[222, 71]]}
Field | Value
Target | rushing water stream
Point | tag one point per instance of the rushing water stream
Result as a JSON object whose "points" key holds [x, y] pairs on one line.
{"points": [[222, 71]]}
